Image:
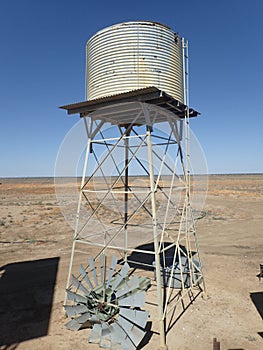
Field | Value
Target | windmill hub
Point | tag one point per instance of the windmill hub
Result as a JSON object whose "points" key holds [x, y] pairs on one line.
{"points": [[104, 307]]}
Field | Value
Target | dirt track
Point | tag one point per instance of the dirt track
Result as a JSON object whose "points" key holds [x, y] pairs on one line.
{"points": [[35, 244]]}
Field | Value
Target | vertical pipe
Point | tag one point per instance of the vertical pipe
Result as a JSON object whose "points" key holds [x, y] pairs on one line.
{"points": [[186, 119], [161, 316], [188, 164], [185, 71], [126, 188]]}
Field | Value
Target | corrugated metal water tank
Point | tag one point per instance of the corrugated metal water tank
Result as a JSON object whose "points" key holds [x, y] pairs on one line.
{"points": [[134, 55]]}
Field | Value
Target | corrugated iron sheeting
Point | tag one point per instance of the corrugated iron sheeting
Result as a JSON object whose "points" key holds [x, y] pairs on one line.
{"points": [[150, 95]]}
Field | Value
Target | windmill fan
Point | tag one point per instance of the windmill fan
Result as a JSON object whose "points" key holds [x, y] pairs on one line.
{"points": [[111, 306]]}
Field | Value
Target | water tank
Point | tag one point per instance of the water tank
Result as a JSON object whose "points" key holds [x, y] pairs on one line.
{"points": [[134, 55]]}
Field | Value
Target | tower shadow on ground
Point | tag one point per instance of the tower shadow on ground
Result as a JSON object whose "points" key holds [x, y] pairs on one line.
{"points": [[257, 299], [26, 296], [145, 261]]}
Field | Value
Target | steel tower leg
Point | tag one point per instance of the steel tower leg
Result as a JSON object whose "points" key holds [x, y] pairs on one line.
{"points": [[161, 316], [75, 236]]}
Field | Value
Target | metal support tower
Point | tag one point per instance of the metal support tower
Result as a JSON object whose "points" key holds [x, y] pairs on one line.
{"points": [[135, 197]]}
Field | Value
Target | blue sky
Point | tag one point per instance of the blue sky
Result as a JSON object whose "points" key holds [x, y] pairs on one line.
{"points": [[42, 66]]}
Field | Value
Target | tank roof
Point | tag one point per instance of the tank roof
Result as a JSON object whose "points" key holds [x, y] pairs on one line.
{"points": [[150, 95]]}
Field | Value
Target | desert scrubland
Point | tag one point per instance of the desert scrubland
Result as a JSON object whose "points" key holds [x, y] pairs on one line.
{"points": [[35, 246]]}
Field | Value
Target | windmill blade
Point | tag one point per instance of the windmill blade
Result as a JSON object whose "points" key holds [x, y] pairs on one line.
{"points": [[134, 285], [128, 345], [129, 287], [121, 276], [77, 298], [105, 341], [73, 325], [95, 334], [93, 270], [73, 310], [144, 282], [115, 346], [138, 317], [76, 323], [79, 285], [85, 276], [135, 333], [120, 339], [114, 261], [102, 268], [133, 300]]}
